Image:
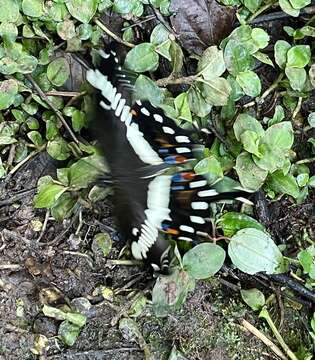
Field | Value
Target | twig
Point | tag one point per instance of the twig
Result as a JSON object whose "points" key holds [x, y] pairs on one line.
{"points": [[24, 161], [178, 81], [16, 197], [297, 108], [305, 161], [52, 106], [102, 26], [281, 14], [64, 93], [259, 11], [265, 315], [290, 283], [124, 262], [148, 18], [10, 267], [251, 328], [42, 231]]}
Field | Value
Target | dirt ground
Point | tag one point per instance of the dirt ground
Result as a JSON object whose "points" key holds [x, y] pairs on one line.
{"points": [[61, 267]]}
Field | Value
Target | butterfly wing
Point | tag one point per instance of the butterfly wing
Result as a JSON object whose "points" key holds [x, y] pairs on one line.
{"points": [[140, 143]]}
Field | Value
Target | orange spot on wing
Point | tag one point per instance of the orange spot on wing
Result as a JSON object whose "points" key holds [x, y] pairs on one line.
{"points": [[189, 175], [172, 231], [134, 113]]}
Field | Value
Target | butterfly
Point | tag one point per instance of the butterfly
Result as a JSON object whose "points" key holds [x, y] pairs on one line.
{"points": [[156, 191]]}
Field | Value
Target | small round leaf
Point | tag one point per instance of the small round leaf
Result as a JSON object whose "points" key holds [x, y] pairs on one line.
{"points": [[204, 260]]}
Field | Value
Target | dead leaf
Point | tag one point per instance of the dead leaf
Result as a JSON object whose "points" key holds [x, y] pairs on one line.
{"points": [[201, 23]]}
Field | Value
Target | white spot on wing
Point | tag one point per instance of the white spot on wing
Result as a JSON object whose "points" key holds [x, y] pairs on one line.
{"points": [[244, 200], [168, 130], [181, 150], [187, 228], [103, 54], [199, 205], [135, 231], [206, 193], [145, 111], [182, 139], [195, 184], [197, 219], [158, 118], [184, 238]]}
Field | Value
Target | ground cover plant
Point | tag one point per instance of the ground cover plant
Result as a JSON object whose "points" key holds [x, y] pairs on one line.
{"points": [[241, 75]]}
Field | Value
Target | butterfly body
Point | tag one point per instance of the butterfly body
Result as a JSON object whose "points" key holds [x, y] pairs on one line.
{"points": [[154, 193]]}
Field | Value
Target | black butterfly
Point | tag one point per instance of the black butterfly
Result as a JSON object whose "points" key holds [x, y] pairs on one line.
{"points": [[154, 193]]}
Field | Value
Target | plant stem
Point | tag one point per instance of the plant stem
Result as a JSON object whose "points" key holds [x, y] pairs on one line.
{"points": [[265, 314], [261, 10], [102, 26], [176, 81]]}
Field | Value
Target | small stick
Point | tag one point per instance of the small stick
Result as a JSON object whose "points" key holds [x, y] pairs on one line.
{"points": [[52, 106], [102, 26], [251, 328]]}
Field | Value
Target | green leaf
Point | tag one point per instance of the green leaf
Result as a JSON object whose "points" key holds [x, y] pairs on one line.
{"points": [[125, 6], [63, 207], [253, 251], [260, 37], [251, 176], [252, 5], [283, 184], [254, 298], [211, 168], [249, 82], [306, 259], [237, 58], [66, 29], [48, 194], [232, 222], [68, 333], [82, 10], [76, 318], [203, 260], [299, 4], [311, 181], [297, 77], [86, 170], [78, 120], [216, 91], [311, 119], [211, 64], [246, 122], [298, 56], [103, 242], [197, 102], [277, 117], [159, 34], [34, 8], [9, 11], [302, 179], [142, 58], [264, 58], [8, 91], [250, 141], [58, 149], [182, 107], [146, 89], [274, 146], [58, 71], [170, 292], [8, 31], [53, 312], [35, 137], [177, 58], [288, 8], [281, 49]]}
